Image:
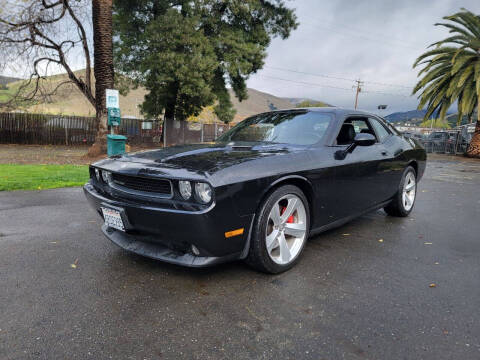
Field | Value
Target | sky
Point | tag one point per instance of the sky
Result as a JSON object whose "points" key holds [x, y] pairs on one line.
{"points": [[339, 41]]}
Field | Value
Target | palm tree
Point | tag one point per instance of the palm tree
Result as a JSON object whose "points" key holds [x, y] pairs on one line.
{"points": [[452, 73], [102, 68]]}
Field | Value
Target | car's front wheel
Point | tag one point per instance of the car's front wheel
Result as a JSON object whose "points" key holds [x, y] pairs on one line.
{"points": [[402, 204], [280, 231]]}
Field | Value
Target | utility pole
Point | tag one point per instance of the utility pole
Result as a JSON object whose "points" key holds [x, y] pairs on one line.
{"points": [[358, 88]]}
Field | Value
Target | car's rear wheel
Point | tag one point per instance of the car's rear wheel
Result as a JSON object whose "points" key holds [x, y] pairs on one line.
{"points": [[402, 204], [280, 231]]}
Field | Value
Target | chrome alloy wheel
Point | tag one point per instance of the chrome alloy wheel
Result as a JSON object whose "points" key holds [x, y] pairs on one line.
{"points": [[409, 191], [286, 229]]}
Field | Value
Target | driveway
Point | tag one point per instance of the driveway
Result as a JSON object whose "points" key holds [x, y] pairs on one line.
{"points": [[376, 288]]}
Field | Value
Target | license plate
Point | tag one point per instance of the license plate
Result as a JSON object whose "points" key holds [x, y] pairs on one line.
{"points": [[113, 219]]}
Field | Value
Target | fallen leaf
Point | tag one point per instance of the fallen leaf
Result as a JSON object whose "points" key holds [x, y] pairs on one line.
{"points": [[427, 243], [380, 240], [436, 263], [432, 285], [74, 265]]}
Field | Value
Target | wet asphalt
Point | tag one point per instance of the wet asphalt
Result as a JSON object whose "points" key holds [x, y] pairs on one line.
{"points": [[362, 291]]}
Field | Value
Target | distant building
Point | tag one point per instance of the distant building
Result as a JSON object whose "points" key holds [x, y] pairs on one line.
{"points": [[414, 129]]}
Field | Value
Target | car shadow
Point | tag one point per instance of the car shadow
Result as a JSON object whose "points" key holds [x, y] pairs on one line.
{"points": [[326, 245]]}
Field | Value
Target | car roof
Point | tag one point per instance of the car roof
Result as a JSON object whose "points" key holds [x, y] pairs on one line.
{"points": [[339, 112]]}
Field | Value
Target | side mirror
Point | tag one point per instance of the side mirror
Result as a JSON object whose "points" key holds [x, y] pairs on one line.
{"points": [[364, 139]]}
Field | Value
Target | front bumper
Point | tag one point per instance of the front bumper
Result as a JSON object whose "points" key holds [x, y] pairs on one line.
{"points": [[168, 234]]}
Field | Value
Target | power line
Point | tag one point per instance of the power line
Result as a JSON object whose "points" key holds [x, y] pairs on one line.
{"points": [[304, 82], [330, 86], [383, 42], [336, 77], [336, 26], [306, 73]]}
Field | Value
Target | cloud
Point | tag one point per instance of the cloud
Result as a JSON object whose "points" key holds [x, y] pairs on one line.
{"points": [[376, 41]]}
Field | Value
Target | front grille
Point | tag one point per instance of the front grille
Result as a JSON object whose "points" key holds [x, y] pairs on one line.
{"points": [[157, 186]]}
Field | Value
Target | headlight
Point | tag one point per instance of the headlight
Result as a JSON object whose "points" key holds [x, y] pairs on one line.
{"points": [[185, 189], [106, 176], [97, 174], [204, 192]]}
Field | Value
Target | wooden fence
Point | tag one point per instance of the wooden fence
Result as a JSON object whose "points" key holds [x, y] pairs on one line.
{"points": [[42, 129], [23, 128]]}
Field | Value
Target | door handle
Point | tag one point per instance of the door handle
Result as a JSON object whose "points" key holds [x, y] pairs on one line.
{"points": [[384, 153]]}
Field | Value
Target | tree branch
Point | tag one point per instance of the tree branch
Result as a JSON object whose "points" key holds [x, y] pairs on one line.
{"points": [[35, 40], [86, 50]]}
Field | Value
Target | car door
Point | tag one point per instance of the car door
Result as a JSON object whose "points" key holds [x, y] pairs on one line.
{"points": [[388, 152], [357, 175]]}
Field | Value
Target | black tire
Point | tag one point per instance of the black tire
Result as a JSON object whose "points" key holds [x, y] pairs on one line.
{"points": [[396, 207], [258, 256]]}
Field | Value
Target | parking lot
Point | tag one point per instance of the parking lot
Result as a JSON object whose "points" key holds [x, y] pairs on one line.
{"points": [[376, 288]]}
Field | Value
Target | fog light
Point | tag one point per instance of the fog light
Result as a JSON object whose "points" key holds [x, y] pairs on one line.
{"points": [[185, 189], [204, 192], [195, 251]]}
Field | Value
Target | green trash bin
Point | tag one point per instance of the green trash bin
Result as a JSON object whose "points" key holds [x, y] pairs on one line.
{"points": [[115, 144]]}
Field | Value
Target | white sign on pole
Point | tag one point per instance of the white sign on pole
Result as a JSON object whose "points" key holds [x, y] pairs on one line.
{"points": [[112, 98]]}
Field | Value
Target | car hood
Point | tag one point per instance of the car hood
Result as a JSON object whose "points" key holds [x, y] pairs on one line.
{"points": [[218, 163], [207, 158]]}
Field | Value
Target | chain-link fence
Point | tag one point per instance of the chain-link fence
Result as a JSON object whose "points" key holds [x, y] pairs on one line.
{"points": [[449, 141], [186, 132]]}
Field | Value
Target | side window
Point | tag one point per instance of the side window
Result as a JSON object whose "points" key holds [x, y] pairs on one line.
{"points": [[360, 126], [380, 130], [350, 128], [390, 127]]}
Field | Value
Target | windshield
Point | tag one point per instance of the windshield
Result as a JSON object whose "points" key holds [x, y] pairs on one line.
{"points": [[293, 127]]}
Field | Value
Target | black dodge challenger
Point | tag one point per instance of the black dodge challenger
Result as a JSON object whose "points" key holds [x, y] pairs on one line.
{"points": [[259, 191]]}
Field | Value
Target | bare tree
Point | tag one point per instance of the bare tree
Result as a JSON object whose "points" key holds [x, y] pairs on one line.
{"points": [[45, 37]]}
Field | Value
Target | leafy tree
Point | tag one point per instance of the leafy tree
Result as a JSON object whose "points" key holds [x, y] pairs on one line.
{"points": [[186, 53], [452, 72], [310, 103], [436, 123]]}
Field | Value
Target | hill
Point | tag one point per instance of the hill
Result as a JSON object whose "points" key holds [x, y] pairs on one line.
{"points": [[69, 101], [416, 117], [297, 101], [453, 118], [405, 116], [4, 80], [257, 102]]}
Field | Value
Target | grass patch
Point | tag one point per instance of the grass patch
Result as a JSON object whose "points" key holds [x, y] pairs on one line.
{"points": [[39, 177], [6, 94]]}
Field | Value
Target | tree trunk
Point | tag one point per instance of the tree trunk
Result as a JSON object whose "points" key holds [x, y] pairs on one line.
{"points": [[473, 149], [102, 68]]}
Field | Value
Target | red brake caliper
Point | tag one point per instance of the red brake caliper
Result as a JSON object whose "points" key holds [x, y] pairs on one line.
{"points": [[290, 218]]}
